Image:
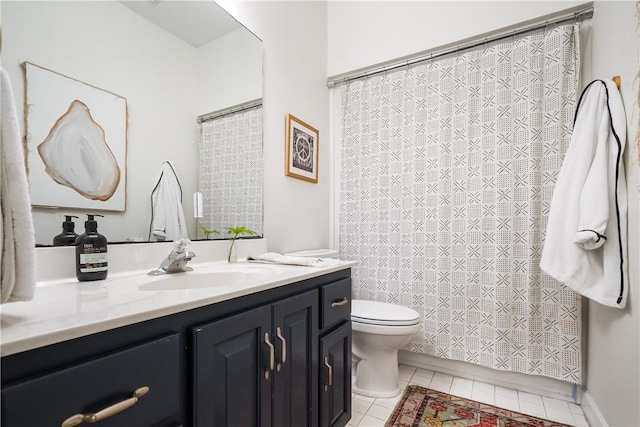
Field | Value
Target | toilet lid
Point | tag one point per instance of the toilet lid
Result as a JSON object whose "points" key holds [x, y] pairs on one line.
{"points": [[382, 313]]}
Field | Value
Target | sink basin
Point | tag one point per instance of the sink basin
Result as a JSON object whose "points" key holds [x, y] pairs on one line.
{"points": [[203, 279], [222, 276]]}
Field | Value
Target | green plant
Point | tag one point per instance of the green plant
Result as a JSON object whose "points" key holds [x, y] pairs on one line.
{"points": [[235, 232], [207, 232]]}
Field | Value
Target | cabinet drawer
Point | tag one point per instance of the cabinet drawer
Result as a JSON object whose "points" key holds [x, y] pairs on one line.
{"points": [[336, 303], [92, 386]]}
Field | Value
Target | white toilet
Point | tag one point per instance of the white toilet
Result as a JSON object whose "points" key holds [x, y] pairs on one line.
{"points": [[379, 331]]}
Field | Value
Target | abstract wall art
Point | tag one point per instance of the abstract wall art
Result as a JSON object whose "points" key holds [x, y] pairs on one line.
{"points": [[76, 137]]}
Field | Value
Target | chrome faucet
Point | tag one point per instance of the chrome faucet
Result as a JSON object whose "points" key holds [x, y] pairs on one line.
{"points": [[177, 260]]}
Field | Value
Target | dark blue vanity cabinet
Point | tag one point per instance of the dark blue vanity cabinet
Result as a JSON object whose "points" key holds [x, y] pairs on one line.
{"points": [[335, 354], [96, 386], [276, 358], [256, 368]]}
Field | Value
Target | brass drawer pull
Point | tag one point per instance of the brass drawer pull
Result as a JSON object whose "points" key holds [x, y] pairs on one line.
{"points": [[283, 349], [271, 356], [330, 379], [112, 410], [340, 303]]}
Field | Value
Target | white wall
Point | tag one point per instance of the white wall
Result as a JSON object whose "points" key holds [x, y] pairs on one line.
{"points": [[363, 34], [296, 213], [613, 355], [241, 53]]}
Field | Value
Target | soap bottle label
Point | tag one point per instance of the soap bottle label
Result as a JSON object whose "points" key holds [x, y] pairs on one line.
{"points": [[93, 260]]}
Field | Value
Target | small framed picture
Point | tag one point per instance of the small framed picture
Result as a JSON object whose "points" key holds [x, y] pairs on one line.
{"points": [[302, 150]]}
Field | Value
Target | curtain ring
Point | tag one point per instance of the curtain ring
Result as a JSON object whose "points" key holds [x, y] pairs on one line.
{"points": [[430, 60]]}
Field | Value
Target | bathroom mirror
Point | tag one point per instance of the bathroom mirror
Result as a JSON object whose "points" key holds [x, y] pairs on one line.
{"points": [[173, 61]]}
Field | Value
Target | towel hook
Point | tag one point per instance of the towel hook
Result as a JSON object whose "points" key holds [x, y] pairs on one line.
{"points": [[617, 81]]}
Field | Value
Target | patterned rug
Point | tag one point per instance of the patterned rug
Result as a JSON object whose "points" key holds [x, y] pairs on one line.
{"points": [[421, 407]]}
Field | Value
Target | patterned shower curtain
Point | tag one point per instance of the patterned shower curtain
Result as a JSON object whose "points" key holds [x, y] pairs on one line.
{"points": [[230, 174], [447, 173]]}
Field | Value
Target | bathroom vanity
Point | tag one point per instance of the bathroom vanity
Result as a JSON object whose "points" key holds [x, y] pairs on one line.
{"points": [[274, 351]]}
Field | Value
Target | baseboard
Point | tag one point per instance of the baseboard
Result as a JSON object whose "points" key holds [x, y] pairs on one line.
{"points": [[592, 412], [528, 383]]}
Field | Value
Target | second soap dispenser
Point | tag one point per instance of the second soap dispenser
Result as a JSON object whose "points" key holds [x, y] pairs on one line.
{"points": [[68, 236], [91, 252]]}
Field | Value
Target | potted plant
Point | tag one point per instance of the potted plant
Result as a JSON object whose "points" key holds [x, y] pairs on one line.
{"points": [[234, 232], [207, 232]]}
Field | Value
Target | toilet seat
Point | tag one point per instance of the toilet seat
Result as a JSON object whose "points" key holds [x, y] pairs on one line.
{"points": [[383, 314], [370, 328]]}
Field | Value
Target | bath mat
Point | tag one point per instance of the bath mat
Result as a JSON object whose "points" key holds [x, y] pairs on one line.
{"points": [[421, 407]]}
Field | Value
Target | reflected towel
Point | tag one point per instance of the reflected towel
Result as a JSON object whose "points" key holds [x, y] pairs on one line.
{"points": [[276, 258], [17, 240], [167, 214]]}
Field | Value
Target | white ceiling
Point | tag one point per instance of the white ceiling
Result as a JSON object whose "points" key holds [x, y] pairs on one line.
{"points": [[195, 22]]}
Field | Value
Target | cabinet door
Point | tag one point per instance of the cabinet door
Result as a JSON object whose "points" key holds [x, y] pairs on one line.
{"points": [[231, 376], [335, 385], [110, 381], [295, 395]]}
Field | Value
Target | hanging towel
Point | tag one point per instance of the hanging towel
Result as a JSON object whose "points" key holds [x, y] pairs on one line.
{"points": [[17, 240], [586, 242], [167, 215]]}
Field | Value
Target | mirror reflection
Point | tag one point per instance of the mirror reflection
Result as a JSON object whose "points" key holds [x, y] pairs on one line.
{"points": [[191, 76]]}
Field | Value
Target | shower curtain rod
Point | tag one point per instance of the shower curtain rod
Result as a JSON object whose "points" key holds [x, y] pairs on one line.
{"points": [[578, 15], [230, 110]]}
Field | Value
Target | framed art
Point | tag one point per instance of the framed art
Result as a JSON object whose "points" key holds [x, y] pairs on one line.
{"points": [[76, 137], [301, 150]]}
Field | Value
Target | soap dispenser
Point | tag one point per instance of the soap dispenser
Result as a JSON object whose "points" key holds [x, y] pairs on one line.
{"points": [[91, 252], [68, 236]]}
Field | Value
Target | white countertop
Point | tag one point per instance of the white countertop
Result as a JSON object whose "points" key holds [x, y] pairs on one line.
{"points": [[67, 309]]}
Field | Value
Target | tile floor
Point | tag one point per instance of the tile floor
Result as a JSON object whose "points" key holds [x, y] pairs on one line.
{"points": [[372, 412]]}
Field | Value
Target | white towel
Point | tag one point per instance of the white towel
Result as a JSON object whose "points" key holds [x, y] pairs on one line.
{"points": [[586, 242], [276, 258], [167, 214], [17, 240]]}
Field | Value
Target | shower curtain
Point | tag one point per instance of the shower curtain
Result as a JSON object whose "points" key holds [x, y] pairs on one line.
{"points": [[230, 174], [446, 176]]}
